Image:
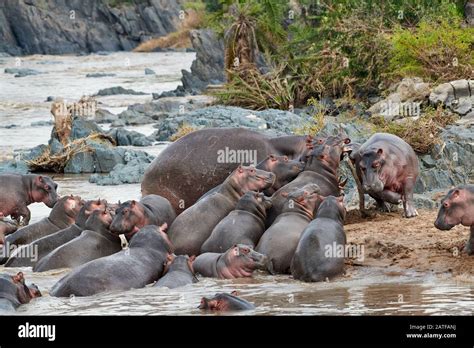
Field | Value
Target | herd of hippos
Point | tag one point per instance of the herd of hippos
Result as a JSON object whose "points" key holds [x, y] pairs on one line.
{"points": [[200, 215]]}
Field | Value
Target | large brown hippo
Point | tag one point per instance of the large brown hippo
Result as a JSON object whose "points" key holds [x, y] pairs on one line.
{"points": [[19, 191], [238, 262], [317, 255], [43, 246], [387, 168], [457, 207], [96, 241], [133, 268], [178, 272], [322, 162], [280, 240], [191, 229], [14, 292], [203, 159], [244, 225], [150, 210], [222, 302]]}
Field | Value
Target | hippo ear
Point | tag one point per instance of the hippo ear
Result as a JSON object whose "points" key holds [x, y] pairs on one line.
{"points": [[133, 202], [240, 169], [455, 194], [309, 138], [272, 157], [379, 152], [192, 258], [169, 258], [347, 141], [18, 278], [40, 178], [164, 227], [235, 293]]}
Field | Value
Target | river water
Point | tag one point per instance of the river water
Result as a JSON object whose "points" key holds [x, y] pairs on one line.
{"points": [[372, 291]]}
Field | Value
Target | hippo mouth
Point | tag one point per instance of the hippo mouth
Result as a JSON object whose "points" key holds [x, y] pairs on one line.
{"points": [[269, 180], [442, 225]]}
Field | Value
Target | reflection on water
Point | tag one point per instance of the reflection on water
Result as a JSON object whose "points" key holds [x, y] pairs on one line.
{"points": [[368, 292]]}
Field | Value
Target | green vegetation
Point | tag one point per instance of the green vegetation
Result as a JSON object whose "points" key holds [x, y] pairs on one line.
{"points": [[317, 121], [336, 48]]}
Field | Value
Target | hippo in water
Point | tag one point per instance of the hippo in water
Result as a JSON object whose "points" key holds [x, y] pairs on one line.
{"points": [[178, 272], [61, 216], [14, 292], [222, 302], [311, 262], [285, 170], [387, 168], [244, 225], [140, 264], [280, 240], [192, 166], [150, 210], [237, 262], [322, 162], [96, 241], [19, 191], [43, 246], [457, 207], [191, 229]]}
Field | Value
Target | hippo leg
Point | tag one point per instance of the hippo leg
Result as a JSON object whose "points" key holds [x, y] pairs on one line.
{"points": [[469, 248], [408, 204]]}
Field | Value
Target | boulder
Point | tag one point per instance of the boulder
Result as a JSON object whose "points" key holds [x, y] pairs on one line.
{"points": [[117, 90]]}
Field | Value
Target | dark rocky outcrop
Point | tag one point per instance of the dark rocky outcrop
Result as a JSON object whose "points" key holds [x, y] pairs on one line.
{"points": [[117, 90], [75, 26]]}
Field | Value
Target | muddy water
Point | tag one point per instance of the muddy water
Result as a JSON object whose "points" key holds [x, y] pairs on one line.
{"points": [[373, 291]]}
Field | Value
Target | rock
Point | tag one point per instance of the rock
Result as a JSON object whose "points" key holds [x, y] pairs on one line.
{"points": [[96, 75], [46, 27], [117, 90], [469, 13], [22, 72], [14, 166], [148, 71], [178, 92], [129, 173], [104, 116], [457, 95], [125, 137], [467, 120], [405, 101], [50, 99]]}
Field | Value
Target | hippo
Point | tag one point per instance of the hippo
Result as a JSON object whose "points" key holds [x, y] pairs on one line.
{"points": [[133, 215], [178, 272], [285, 170], [43, 246], [311, 261], [94, 242], [193, 165], [6, 228], [280, 240], [322, 162], [457, 207], [14, 292], [191, 228], [140, 264], [222, 302], [387, 168], [238, 262], [61, 216], [19, 191], [244, 225]]}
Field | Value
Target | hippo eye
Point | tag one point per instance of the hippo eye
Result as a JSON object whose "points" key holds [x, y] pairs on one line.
{"points": [[246, 251]]}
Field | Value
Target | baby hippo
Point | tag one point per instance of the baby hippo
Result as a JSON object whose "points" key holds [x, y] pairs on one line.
{"points": [[237, 262], [457, 207], [19, 191], [14, 292], [222, 302], [95, 242], [279, 242], [316, 257], [178, 272], [244, 225]]}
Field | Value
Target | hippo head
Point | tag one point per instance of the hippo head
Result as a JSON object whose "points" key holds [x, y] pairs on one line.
{"points": [[328, 154], [44, 190], [284, 169], [24, 292], [99, 219], [129, 218], [332, 207], [225, 302], [179, 262], [67, 209], [254, 202], [251, 179], [305, 200], [241, 260], [88, 208], [457, 207], [371, 166]]}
